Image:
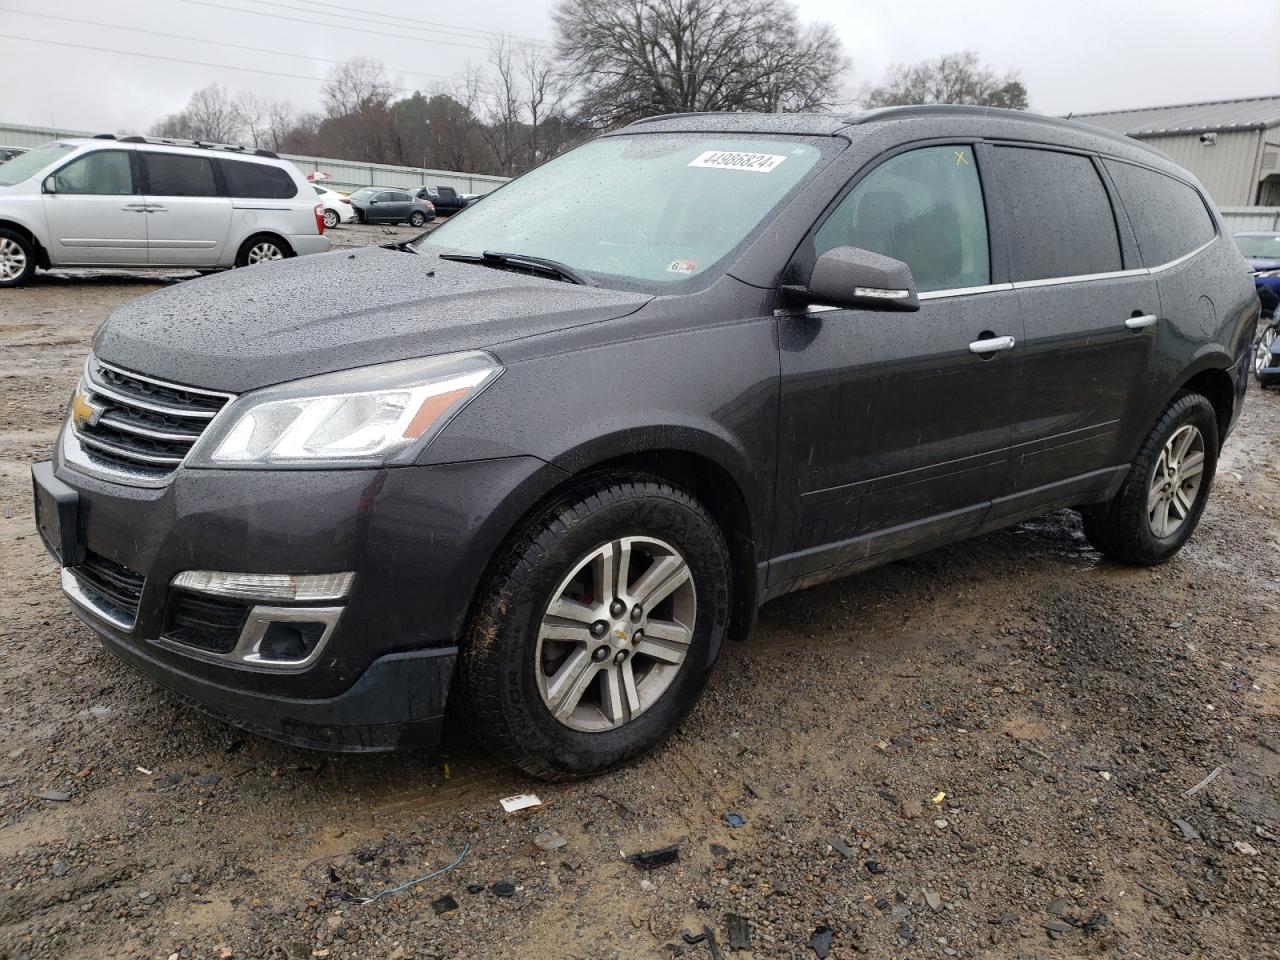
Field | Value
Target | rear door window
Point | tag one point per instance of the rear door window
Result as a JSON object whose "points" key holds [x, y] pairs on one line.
{"points": [[179, 175], [101, 173], [1168, 216], [923, 208], [1060, 221], [258, 181]]}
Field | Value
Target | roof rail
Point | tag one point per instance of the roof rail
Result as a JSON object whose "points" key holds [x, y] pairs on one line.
{"points": [[967, 110], [191, 144], [681, 113]]}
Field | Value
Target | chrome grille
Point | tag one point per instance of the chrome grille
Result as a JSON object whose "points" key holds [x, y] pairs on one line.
{"points": [[141, 424]]}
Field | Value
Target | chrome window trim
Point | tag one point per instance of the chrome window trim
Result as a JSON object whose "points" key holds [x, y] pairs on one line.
{"points": [[1185, 257], [81, 598], [1079, 278], [963, 291]]}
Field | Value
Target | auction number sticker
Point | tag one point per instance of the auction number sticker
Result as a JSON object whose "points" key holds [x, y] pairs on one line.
{"points": [[727, 160], [682, 266]]}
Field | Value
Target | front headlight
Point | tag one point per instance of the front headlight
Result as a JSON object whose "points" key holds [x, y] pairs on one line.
{"points": [[361, 417]]}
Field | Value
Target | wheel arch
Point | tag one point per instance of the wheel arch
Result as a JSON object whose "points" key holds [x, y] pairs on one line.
{"points": [[42, 255]]}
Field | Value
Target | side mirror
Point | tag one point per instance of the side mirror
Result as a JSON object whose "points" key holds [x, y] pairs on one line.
{"points": [[50, 184], [852, 277]]}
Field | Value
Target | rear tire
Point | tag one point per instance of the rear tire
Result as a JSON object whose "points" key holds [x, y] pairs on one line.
{"points": [[1262, 353], [262, 248], [1163, 496], [417, 219], [331, 219], [17, 258], [558, 674]]}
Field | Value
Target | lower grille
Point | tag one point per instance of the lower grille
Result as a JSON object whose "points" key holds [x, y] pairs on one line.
{"points": [[110, 585], [206, 623], [139, 424]]}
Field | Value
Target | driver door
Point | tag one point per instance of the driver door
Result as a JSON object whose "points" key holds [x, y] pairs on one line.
{"points": [[95, 214], [893, 431]]}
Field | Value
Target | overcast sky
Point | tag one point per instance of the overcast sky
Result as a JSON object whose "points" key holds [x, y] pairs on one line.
{"points": [[1078, 56]]}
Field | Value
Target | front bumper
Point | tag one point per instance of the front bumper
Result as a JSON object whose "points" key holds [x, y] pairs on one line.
{"points": [[417, 539]]}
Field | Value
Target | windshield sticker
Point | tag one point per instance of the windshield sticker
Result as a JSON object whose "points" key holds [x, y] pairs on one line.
{"points": [[725, 160], [682, 266]]}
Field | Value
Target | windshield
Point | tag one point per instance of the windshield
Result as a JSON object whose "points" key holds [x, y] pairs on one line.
{"points": [[1266, 247], [646, 209], [32, 162]]}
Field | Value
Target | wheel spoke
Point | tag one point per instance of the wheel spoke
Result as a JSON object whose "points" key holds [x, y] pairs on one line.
{"points": [[570, 682], [1154, 496], [1160, 520], [1180, 444], [1192, 465], [668, 630], [564, 608], [660, 581], [1181, 503], [612, 703], [665, 650]]}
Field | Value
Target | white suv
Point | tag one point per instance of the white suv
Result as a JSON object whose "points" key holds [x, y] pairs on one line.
{"points": [[139, 202]]}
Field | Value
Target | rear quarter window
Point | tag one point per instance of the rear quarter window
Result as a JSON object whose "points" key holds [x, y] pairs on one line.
{"points": [[258, 181], [1060, 221], [1169, 218]]}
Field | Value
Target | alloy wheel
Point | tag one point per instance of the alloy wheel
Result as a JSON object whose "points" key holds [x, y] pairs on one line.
{"points": [[1175, 481], [615, 634], [263, 252], [13, 259], [1262, 355], [330, 219]]}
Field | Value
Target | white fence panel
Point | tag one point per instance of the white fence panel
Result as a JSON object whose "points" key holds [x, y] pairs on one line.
{"points": [[1251, 218]]}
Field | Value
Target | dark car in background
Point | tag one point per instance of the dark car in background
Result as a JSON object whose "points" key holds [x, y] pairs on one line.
{"points": [[1262, 249], [446, 200], [390, 205], [541, 468]]}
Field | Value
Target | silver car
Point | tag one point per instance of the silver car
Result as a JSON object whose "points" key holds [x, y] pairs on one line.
{"points": [[141, 202]]}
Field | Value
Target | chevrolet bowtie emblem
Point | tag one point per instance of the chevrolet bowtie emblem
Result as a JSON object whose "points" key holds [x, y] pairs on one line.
{"points": [[84, 413], [620, 634]]}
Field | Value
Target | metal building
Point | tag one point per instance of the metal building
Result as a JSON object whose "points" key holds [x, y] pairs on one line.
{"points": [[1232, 146]]}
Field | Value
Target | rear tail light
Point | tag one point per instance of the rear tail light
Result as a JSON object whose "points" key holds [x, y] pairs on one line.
{"points": [[320, 218], [346, 200]]}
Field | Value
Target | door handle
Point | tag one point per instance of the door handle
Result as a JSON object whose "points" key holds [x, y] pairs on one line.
{"points": [[156, 208], [135, 207], [1140, 323], [992, 344]]}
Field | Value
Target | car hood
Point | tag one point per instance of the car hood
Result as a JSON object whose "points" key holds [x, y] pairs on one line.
{"points": [[274, 322]]}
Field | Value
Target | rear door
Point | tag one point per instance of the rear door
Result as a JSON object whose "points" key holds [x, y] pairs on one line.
{"points": [[188, 213], [893, 431], [95, 214], [1089, 312], [447, 199]]}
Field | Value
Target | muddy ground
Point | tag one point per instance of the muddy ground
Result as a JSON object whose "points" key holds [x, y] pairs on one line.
{"points": [[978, 752]]}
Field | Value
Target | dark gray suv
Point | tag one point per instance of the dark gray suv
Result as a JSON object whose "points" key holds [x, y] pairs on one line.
{"points": [[538, 467]]}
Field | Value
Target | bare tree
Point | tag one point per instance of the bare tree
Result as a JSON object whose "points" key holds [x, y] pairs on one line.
{"points": [[357, 84], [950, 78], [633, 58], [501, 106], [209, 115]]}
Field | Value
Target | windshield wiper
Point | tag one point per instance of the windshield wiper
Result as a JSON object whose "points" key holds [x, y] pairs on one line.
{"points": [[552, 268]]}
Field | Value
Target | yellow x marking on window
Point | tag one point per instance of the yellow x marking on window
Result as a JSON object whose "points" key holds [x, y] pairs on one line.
{"points": [[960, 158]]}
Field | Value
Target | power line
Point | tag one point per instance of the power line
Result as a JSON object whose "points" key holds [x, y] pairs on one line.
{"points": [[452, 29], [298, 11], [182, 60], [220, 43]]}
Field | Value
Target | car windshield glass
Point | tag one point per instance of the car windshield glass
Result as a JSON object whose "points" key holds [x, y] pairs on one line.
{"points": [[364, 193], [32, 162], [1255, 248], [642, 210]]}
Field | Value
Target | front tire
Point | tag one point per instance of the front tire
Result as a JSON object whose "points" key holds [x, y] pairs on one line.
{"points": [[1163, 496], [1262, 353], [597, 627], [17, 258]]}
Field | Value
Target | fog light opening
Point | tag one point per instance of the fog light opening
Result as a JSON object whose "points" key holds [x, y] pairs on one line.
{"points": [[289, 642]]}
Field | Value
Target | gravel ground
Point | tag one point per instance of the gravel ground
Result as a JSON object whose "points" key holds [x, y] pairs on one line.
{"points": [[983, 751]]}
